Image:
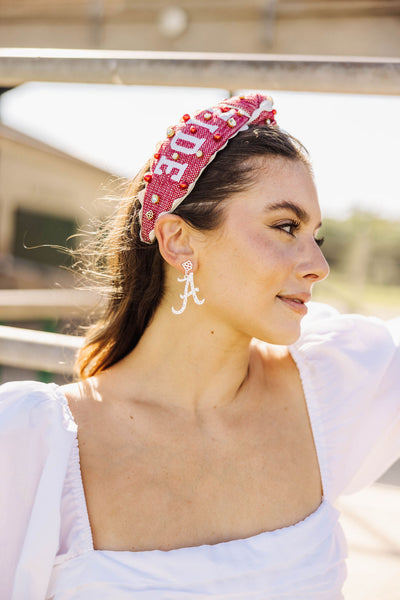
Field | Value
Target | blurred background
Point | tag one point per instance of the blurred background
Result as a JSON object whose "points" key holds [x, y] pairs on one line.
{"points": [[67, 147]]}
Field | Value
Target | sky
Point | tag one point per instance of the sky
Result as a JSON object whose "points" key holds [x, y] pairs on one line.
{"points": [[353, 140]]}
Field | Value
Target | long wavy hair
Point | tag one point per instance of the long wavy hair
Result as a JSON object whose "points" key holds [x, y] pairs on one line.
{"points": [[134, 270]]}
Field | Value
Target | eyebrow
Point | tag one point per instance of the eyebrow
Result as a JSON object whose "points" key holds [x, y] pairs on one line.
{"points": [[300, 213]]}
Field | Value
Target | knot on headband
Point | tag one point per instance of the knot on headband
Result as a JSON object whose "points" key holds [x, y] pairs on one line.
{"points": [[189, 147]]}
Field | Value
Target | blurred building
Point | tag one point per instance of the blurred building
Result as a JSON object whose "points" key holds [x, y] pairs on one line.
{"points": [[328, 27], [45, 197]]}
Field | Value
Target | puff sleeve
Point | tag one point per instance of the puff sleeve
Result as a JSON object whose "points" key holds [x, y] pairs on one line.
{"points": [[36, 437], [350, 369]]}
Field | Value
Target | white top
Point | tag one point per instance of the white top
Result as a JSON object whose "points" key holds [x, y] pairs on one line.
{"points": [[350, 369]]}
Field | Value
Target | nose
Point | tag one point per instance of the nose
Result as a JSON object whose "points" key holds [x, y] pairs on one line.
{"points": [[313, 264]]}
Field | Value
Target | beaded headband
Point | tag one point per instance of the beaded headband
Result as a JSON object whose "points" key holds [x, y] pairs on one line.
{"points": [[189, 147]]}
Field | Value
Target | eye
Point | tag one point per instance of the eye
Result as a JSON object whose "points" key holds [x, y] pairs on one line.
{"points": [[289, 227], [319, 241]]}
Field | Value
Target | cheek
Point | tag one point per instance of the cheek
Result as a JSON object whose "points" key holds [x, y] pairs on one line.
{"points": [[269, 257], [254, 265]]}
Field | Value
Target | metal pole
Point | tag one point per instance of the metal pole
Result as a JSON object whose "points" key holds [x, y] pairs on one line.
{"points": [[30, 349], [30, 305], [358, 75]]}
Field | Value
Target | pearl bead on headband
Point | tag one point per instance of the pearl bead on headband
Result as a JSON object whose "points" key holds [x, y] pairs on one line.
{"points": [[189, 147]]}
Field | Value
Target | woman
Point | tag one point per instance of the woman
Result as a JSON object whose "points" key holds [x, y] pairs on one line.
{"points": [[215, 432]]}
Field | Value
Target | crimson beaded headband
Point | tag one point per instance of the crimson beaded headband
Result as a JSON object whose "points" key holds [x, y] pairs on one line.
{"points": [[189, 147]]}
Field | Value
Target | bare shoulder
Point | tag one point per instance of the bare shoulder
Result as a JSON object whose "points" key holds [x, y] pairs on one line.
{"points": [[81, 396]]}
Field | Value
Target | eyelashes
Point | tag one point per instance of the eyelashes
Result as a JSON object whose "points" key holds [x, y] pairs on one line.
{"points": [[290, 227]]}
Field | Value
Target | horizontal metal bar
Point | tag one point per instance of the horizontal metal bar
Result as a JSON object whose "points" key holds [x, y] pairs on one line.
{"points": [[25, 9], [38, 350], [361, 75], [24, 305]]}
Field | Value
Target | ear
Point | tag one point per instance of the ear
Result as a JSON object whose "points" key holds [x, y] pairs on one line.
{"points": [[175, 240]]}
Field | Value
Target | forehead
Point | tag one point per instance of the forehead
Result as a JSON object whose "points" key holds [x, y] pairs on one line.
{"points": [[276, 180], [281, 171]]}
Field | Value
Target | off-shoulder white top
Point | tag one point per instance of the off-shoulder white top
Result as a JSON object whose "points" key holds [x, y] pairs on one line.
{"points": [[350, 370]]}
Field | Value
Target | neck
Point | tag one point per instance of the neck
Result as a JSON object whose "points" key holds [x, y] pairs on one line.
{"points": [[187, 361]]}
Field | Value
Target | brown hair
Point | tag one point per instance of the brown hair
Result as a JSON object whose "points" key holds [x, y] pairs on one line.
{"points": [[134, 269]]}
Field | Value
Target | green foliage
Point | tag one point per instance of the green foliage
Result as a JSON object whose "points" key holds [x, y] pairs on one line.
{"points": [[364, 247], [364, 255]]}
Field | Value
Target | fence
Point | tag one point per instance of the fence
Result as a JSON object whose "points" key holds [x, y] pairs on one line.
{"points": [[38, 350], [356, 75], [41, 350]]}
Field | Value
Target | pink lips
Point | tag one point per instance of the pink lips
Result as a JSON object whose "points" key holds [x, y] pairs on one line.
{"points": [[296, 302]]}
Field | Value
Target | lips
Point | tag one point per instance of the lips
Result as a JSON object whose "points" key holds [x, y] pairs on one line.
{"points": [[296, 301]]}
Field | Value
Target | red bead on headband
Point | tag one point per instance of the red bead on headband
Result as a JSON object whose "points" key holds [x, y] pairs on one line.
{"points": [[189, 147]]}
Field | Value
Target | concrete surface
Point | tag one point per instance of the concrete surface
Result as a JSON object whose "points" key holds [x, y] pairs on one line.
{"points": [[371, 521]]}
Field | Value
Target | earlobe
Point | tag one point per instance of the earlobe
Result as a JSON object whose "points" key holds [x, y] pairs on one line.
{"points": [[174, 240]]}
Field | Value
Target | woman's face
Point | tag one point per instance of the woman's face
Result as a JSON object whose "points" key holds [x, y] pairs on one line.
{"points": [[257, 270]]}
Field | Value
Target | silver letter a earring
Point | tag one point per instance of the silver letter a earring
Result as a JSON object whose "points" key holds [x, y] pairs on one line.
{"points": [[189, 290]]}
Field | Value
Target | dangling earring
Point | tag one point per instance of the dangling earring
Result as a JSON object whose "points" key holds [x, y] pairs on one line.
{"points": [[189, 290]]}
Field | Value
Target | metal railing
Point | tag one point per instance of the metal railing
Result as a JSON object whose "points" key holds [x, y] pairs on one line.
{"points": [[38, 350], [42, 350], [36, 304], [201, 69]]}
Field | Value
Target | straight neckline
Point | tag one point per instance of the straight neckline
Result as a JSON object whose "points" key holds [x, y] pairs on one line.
{"points": [[315, 422]]}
